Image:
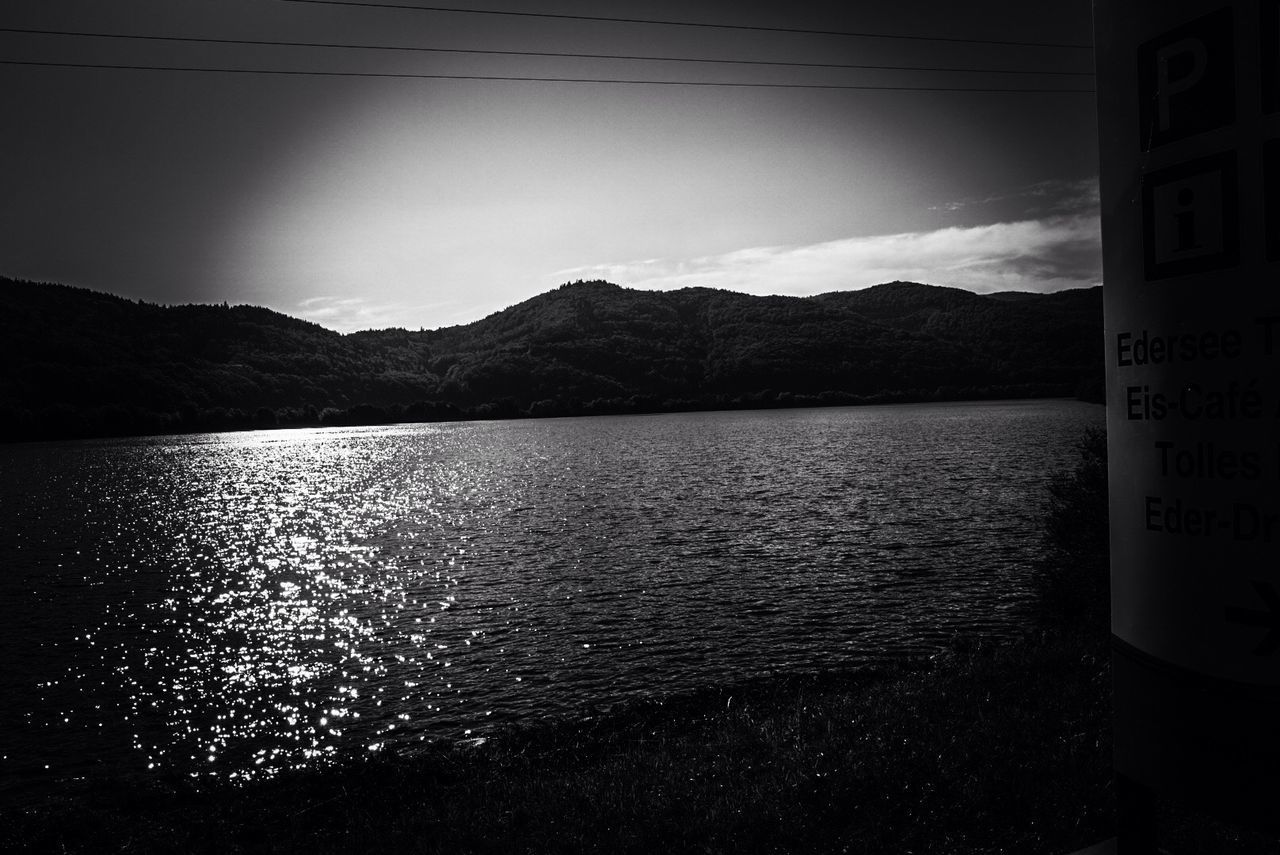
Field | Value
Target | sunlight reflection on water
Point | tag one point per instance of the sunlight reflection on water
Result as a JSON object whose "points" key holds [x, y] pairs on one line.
{"points": [[236, 604]]}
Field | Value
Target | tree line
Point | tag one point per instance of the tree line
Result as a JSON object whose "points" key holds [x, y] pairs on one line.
{"points": [[79, 363]]}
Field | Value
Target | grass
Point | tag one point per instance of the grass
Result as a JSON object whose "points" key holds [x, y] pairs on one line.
{"points": [[989, 749], [982, 750]]}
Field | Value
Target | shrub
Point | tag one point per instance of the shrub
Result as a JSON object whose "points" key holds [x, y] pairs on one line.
{"points": [[1072, 583]]}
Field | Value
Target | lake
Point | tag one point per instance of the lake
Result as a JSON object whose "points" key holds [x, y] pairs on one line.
{"points": [[235, 604]]}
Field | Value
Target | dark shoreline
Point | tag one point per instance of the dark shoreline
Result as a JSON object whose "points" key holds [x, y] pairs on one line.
{"points": [[986, 748], [810, 762], [364, 415]]}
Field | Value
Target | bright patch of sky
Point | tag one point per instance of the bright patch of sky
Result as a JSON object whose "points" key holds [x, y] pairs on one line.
{"points": [[370, 202], [1031, 255]]}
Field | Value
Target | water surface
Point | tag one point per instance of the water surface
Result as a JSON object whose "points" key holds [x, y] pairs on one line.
{"points": [[233, 604]]}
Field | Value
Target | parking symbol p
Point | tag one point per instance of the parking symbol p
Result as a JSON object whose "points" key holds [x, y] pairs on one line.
{"points": [[1186, 80], [1269, 35]]}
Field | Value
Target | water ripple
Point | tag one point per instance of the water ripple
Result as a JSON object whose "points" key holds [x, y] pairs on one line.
{"points": [[237, 604]]}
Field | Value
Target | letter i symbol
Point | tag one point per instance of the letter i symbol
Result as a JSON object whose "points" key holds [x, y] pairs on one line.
{"points": [[1185, 218]]}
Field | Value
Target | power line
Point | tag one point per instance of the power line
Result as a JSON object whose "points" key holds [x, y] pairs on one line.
{"points": [[557, 54], [519, 78], [665, 23]]}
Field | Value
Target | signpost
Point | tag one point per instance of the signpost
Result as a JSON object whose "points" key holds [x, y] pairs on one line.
{"points": [[1189, 115]]}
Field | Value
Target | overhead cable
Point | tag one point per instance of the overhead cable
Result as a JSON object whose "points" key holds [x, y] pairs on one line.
{"points": [[556, 54], [720, 26], [529, 79]]}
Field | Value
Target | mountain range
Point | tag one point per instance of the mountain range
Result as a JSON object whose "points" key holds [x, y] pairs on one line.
{"points": [[82, 363]]}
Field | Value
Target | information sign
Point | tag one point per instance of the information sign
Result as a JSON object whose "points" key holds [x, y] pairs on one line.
{"points": [[1190, 169]]}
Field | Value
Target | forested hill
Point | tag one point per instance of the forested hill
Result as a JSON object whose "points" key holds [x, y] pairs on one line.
{"points": [[81, 363]]}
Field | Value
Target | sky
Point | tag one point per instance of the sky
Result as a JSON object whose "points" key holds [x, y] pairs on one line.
{"points": [[365, 202]]}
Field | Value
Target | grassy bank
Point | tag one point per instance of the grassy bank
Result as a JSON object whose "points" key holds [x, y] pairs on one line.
{"points": [[987, 750], [983, 750]]}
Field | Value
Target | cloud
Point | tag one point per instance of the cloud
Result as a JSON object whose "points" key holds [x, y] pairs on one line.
{"points": [[1044, 198], [348, 314], [1044, 255]]}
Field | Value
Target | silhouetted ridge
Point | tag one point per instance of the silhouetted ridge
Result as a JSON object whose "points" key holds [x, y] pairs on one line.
{"points": [[81, 363]]}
